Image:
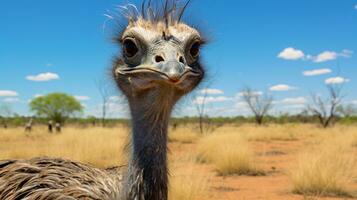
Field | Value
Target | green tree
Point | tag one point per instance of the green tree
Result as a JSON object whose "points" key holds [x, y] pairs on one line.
{"points": [[92, 120], [56, 106]]}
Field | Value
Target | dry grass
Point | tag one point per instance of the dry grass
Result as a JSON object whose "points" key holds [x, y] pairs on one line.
{"points": [[230, 154], [327, 168], [354, 140], [187, 182], [97, 146], [286, 132], [326, 164], [183, 135], [273, 132]]}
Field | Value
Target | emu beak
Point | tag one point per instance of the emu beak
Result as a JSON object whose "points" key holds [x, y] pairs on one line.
{"points": [[173, 70]]}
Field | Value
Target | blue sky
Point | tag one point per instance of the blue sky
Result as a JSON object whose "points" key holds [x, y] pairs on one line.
{"points": [[288, 48]]}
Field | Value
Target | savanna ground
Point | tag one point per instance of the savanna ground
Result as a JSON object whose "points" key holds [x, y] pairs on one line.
{"points": [[274, 162]]}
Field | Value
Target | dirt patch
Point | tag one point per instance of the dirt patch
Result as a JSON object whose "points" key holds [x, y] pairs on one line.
{"points": [[275, 156]]}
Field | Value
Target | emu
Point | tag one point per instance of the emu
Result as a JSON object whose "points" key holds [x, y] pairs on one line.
{"points": [[159, 64]]}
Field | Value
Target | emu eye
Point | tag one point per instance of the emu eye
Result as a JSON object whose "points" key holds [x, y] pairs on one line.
{"points": [[195, 49], [130, 48]]}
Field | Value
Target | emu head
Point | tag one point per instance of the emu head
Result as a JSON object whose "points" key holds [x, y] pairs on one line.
{"points": [[160, 54]]}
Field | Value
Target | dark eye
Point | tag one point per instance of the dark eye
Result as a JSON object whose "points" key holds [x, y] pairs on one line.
{"points": [[195, 49], [130, 48]]}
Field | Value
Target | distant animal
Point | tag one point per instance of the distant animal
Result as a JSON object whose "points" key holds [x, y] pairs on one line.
{"points": [[160, 63], [28, 126], [174, 126], [58, 127], [50, 126]]}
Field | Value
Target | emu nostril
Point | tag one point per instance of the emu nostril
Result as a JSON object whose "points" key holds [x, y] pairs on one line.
{"points": [[182, 60], [173, 70], [159, 59]]}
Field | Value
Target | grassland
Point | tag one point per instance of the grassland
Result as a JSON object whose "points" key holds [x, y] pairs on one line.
{"points": [[275, 162]]}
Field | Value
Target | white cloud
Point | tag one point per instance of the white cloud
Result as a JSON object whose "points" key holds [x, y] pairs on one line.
{"points": [[330, 55], [11, 100], [281, 87], [114, 109], [8, 93], [38, 95], [82, 98], [43, 77], [346, 53], [253, 93], [291, 54], [336, 80], [296, 54], [325, 56], [294, 101], [211, 91], [241, 105], [116, 99], [201, 99], [288, 108], [316, 72]]}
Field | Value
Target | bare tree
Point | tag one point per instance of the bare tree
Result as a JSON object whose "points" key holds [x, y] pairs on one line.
{"points": [[103, 89], [200, 103], [258, 103], [5, 112], [326, 109]]}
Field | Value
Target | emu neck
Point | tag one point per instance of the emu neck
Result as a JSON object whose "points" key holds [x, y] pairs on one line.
{"points": [[148, 174]]}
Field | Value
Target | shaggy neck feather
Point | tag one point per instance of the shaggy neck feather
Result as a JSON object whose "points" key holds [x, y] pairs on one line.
{"points": [[147, 174]]}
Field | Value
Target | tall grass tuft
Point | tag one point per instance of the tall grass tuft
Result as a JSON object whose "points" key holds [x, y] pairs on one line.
{"points": [[187, 183], [229, 153], [325, 170]]}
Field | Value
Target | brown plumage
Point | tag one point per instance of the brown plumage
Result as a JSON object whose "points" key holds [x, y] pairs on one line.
{"points": [[48, 178]]}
